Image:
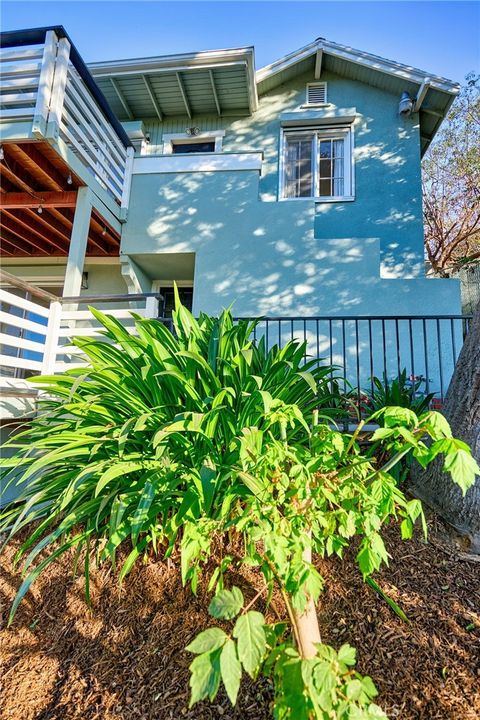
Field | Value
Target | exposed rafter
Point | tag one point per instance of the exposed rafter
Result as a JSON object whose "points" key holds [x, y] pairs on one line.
{"points": [[184, 94], [122, 98], [38, 166], [153, 97], [10, 169], [27, 229], [214, 90], [15, 229], [318, 63]]}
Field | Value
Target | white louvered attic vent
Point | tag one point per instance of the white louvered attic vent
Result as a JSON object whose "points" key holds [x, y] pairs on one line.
{"points": [[317, 93]]}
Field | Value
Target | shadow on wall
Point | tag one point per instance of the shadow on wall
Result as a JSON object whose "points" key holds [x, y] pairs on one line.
{"points": [[264, 257]]}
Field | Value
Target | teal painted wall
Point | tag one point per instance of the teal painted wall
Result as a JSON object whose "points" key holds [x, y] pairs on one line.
{"points": [[296, 256]]}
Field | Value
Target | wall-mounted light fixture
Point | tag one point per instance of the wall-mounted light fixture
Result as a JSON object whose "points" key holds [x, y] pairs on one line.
{"points": [[84, 280], [192, 131]]}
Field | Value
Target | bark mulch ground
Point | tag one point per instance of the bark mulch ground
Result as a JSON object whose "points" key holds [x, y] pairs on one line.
{"points": [[125, 660]]}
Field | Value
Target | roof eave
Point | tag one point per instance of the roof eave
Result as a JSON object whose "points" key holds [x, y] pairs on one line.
{"points": [[360, 58]]}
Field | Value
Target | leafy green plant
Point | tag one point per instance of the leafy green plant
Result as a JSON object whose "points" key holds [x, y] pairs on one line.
{"points": [[169, 441], [402, 391]]}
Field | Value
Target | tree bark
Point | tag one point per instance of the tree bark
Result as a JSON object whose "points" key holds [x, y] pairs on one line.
{"points": [[462, 410]]}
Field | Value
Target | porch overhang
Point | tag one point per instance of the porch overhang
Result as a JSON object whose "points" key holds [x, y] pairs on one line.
{"points": [[38, 197], [217, 82], [432, 95]]}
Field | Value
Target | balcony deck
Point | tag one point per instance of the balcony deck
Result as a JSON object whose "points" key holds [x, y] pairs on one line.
{"points": [[57, 134]]}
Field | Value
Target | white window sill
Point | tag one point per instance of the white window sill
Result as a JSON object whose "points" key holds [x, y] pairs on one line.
{"points": [[343, 198]]}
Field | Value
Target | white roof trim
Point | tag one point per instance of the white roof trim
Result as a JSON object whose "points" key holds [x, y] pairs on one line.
{"points": [[205, 60], [358, 57]]}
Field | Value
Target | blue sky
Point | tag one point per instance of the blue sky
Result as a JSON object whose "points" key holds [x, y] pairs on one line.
{"points": [[440, 37]]}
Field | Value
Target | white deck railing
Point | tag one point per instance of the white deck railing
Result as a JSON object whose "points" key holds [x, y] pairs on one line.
{"points": [[42, 85], [36, 333]]}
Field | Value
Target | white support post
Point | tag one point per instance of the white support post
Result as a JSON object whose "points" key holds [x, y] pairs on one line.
{"points": [[127, 180], [151, 307], [47, 71], [51, 338], [58, 89], [78, 243]]}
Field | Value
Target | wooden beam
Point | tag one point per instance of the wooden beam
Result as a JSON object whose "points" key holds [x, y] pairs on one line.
{"points": [[122, 98], [47, 221], [422, 92], [12, 222], [17, 200], [6, 247], [214, 90], [38, 166], [318, 63], [184, 95], [17, 174], [153, 97], [14, 245], [25, 236]]}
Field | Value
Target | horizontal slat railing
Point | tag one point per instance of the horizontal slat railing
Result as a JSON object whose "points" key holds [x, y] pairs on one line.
{"points": [[23, 331], [49, 85], [36, 333], [19, 78], [91, 137]]}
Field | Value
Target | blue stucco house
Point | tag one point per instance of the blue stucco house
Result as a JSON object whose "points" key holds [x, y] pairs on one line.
{"points": [[292, 192]]}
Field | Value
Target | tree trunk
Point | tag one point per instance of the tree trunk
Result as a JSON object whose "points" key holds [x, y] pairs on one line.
{"points": [[462, 410], [308, 630]]}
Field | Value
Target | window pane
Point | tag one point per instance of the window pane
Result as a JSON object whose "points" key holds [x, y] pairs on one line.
{"points": [[193, 147], [325, 168], [298, 167], [325, 188], [338, 187], [326, 148], [338, 148]]}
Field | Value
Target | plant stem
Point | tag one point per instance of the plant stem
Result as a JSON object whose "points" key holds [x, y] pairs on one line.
{"points": [[306, 623]]}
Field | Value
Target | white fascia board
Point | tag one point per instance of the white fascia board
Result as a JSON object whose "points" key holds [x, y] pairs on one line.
{"points": [[358, 57], [170, 63]]}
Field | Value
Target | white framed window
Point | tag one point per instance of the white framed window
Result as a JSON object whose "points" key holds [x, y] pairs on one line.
{"points": [[316, 93], [317, 163], [204, 141]]}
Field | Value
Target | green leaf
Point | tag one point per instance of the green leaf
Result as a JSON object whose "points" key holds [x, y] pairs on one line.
{"points": [[226, 604], [462, 467], [250, 635], [382, 433], [394, 416], [347, 654], [208, 641], [117, 470], [205, 677], [231, 670]]}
